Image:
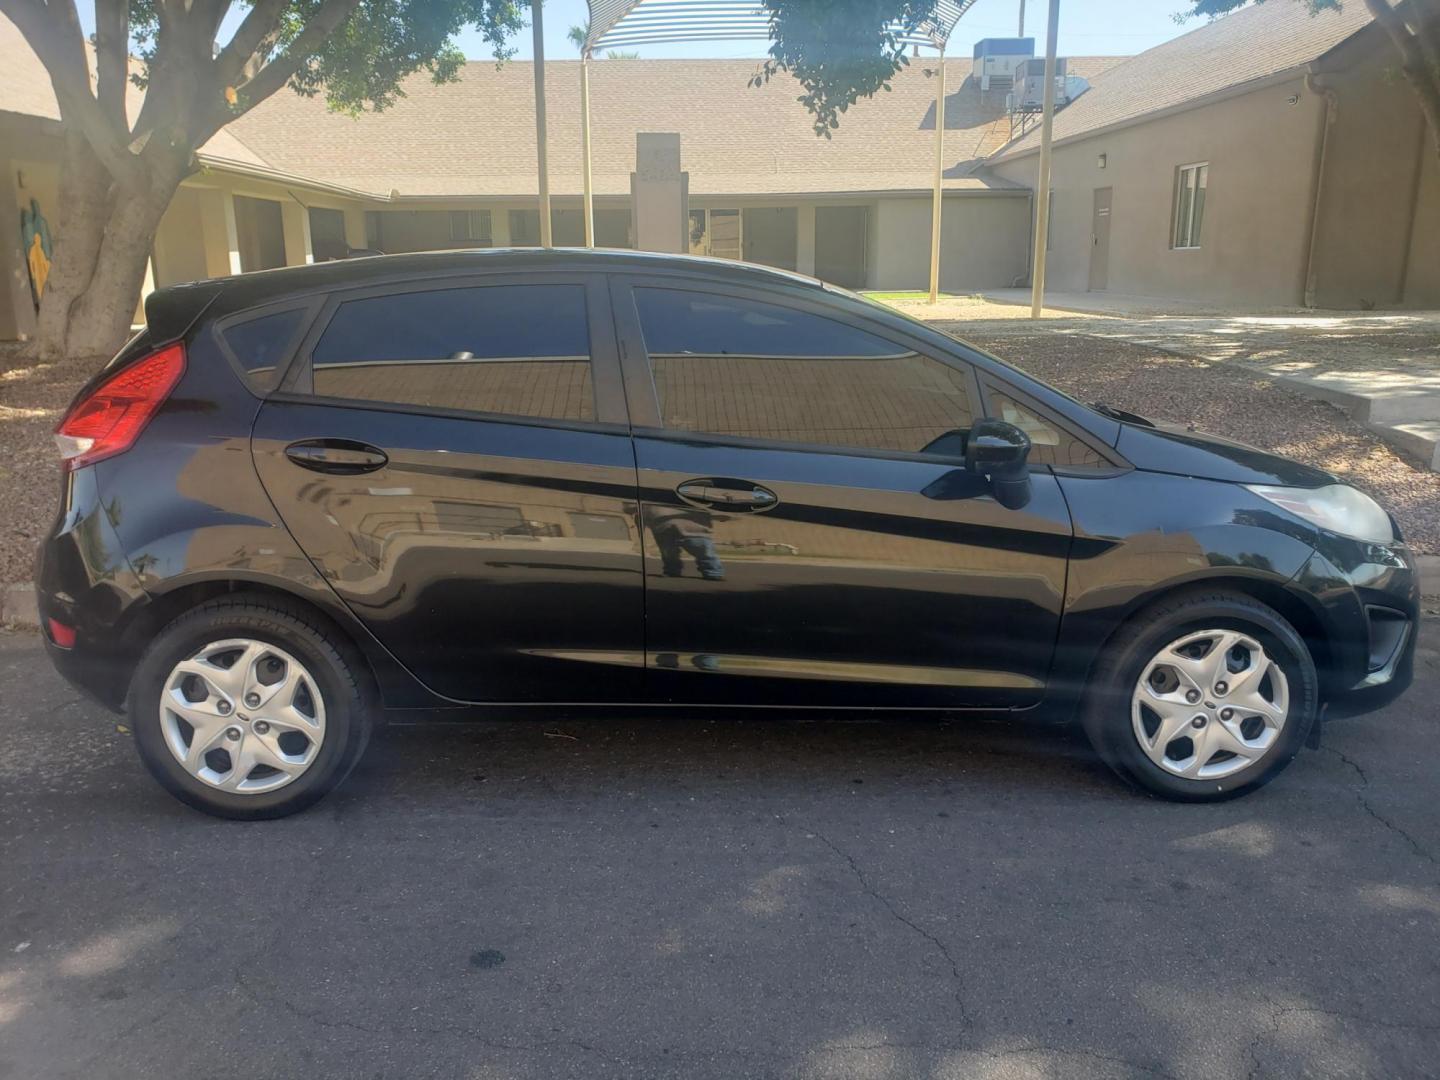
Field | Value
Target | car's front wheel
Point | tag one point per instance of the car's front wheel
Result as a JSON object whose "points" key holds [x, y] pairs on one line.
{"points": [[1203, 697], [248, 707]]}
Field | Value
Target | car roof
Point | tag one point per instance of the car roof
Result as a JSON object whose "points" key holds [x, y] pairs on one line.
{"points": [[265, 285]]}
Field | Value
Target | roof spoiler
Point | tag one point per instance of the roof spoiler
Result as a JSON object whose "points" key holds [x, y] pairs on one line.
{"points": [[171, 312]]}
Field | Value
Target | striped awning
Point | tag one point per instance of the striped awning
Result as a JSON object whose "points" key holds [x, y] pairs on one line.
{"points": [[619, 23]]}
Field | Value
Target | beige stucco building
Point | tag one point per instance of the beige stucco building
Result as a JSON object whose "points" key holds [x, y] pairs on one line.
{"points": [[1268, 158], [1318, 182]]}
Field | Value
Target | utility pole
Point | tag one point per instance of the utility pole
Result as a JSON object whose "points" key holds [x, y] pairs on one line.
{"points": [[938, 196], [537, 26], [586, 176], [1042, 184]]}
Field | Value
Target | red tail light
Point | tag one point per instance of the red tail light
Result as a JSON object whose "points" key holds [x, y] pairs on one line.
{"points": [[61, 634], [109, 419]]}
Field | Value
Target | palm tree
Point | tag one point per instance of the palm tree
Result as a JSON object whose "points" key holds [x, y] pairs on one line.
{"points": [[578, 34]]}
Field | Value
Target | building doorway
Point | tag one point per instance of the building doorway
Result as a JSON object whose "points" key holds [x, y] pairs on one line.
{"points": [[840, 244], [1100, 241], [260, 232], [770, 235]]}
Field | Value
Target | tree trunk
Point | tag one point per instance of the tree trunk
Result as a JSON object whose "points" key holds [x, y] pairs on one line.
{"points": [[102, 245], [101, 316], [79, 230]]}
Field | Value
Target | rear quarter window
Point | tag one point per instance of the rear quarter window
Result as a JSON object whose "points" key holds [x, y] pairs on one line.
{"points": [[260, 345]]}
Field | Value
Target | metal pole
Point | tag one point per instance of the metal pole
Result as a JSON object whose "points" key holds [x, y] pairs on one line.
{"points": [[1022, 19], [939, 178], [585, 149], [537, 26], [1042, 185]]}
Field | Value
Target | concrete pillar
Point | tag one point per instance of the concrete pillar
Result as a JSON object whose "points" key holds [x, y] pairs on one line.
{"points": [[657, 194], [355, 229], [17, 309], [221, 238], [805, 239], [295, 222]]}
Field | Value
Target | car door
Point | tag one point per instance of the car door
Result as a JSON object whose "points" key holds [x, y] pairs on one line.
{"points": [[454, 457], [811, 536]]}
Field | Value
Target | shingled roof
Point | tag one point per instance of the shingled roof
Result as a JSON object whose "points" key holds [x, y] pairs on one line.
{"points": [[476, 137], [1249, 46]]}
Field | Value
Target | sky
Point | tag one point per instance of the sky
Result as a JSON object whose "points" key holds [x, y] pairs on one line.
{"points": [[1087, 28]]}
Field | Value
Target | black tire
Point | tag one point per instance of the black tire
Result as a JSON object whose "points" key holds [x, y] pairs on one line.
{"points": [[336, 667], [1106, 714]]}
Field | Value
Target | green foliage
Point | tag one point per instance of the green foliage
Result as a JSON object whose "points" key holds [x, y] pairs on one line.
{"points": [[360, 65], [839, 50], [1212, 9]]}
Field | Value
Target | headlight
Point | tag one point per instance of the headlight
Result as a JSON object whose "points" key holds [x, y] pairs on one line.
{"points": [[1337, 508]]}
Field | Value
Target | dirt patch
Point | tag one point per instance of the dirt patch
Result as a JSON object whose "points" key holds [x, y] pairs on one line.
{"points": [[967, 307], [1232, 401]]}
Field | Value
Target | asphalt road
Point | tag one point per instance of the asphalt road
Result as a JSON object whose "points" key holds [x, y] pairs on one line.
{"points": [[718, 898]]}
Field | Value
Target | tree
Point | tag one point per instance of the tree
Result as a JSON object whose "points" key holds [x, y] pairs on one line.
{"points": [[839, 50], [1413, 28], [119, 172]]}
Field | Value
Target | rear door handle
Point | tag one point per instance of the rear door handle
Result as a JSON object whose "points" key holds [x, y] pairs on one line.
{"points": [[343, 457], [738, 495]]}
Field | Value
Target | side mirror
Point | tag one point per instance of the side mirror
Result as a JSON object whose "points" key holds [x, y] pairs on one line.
{"points": [[1001, 451]]}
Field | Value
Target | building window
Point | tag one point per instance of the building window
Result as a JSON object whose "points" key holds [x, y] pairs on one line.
{"points": [[1189, 204], [471, 227]]}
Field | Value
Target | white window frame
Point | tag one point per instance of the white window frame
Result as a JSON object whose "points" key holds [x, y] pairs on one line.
{"points": [[1184, 217]]}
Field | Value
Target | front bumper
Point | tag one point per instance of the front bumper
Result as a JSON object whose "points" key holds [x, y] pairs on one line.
{"points": [[1367, 597]]}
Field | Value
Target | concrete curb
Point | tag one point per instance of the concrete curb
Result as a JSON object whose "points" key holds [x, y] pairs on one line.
{"points": [[17, 602], [17, 606], [1429, 568]]}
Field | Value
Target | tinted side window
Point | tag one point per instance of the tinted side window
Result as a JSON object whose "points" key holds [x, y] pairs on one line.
{"points": [[743, 367], [260, 346], [1050, 444], [521, 350]]}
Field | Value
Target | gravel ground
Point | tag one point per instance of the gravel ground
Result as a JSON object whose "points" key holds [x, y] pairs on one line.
{"points": [[32, 399], [1232, 401]]}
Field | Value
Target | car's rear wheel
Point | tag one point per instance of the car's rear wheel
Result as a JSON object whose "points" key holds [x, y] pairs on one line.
{"points": [[248, 707], [1203, 697]]}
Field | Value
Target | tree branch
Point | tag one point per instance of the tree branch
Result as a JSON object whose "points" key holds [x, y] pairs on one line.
{"points": [[112, 59], [253, 37], [272, 76], [1423, 77], [53, 32]]}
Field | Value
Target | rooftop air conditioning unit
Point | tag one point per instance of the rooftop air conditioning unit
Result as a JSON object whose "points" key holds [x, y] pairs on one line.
{"points": [[1029, 92], [997, 58]]}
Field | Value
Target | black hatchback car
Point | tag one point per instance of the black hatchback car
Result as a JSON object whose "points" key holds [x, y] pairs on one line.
{"points": [[306, 498]]}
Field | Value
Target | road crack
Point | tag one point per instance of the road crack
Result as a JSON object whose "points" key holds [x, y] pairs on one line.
{"points": [[904, 920], [1369, 808]]}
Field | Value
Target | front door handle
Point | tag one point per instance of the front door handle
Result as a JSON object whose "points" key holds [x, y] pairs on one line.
{"points": [[738, 495], [343, 457]]}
